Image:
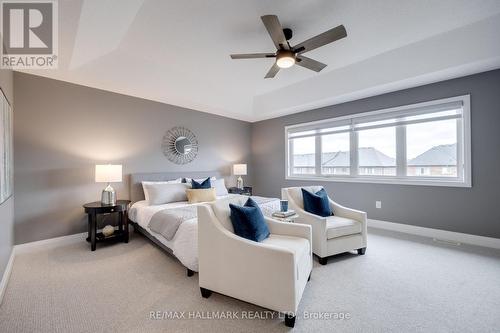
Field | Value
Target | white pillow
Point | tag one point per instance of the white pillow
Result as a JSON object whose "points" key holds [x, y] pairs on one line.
{"points": [[145, 190], [220, 186], [160, 194]]}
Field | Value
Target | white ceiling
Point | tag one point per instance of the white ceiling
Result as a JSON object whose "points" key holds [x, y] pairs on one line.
{"points": [[177, 52]]}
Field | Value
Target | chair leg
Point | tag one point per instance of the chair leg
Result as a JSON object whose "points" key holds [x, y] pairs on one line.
{"points": [[205, 293], [190, 272], [323, 261], [362, 251], [289, 320]]}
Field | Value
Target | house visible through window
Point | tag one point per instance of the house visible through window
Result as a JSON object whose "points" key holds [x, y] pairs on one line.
{"points": [[426, 143]]}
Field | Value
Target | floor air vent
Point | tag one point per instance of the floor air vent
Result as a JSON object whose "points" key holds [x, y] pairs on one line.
{"points": [[446, 242]]}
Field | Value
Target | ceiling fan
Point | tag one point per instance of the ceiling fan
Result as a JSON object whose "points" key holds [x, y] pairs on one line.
{"points": [[286, 55]]}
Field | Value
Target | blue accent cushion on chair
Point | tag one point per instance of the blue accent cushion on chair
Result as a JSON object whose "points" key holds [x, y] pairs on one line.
{"points": [[204, 184], [248, 221], [317, 203]]}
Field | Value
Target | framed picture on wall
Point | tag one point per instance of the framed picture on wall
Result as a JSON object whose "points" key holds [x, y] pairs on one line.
{"points": [[6, 149]]}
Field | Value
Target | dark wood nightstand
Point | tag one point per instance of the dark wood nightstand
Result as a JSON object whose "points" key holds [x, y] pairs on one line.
{"points": [[247, 190], [96, 208]]}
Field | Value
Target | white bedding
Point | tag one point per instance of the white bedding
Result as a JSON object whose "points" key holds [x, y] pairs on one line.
{"points": [[184, 245]]}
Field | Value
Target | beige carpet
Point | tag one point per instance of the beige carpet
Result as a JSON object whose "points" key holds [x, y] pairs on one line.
{"points": [[402, 284]]}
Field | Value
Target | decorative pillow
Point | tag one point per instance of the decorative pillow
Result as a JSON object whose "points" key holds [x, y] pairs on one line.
{"points": [[188, 180], [223, 212], [199, 185], [146, 192], [248, 221], [201, 195], [159, 194], [317, 203], [220, 186]]}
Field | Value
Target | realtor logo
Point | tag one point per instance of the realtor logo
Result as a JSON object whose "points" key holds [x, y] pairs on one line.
{"points": [[29, 34]]}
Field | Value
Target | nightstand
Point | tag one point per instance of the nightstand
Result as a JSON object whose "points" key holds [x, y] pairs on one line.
{"points": [[97, 208], [246, 190]]}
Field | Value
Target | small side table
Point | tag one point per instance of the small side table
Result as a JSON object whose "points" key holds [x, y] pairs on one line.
{"points": [[246, 190], [96, 208]]}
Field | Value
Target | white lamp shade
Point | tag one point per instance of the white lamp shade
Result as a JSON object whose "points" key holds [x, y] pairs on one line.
{"points": [[240, 169], [108, 173]]}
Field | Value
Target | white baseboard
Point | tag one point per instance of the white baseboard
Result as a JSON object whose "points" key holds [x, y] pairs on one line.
{"points": [[32, 247], [437, 234], [6, 275], [49, 243]]}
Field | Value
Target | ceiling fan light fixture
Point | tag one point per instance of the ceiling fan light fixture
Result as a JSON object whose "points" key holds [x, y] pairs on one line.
{"points": [[285, 59]]}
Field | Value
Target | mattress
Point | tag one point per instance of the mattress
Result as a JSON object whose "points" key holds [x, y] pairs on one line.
{"points": [[184, 244]]}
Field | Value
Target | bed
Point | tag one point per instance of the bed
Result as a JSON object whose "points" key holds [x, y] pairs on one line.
{"points": [[184, 244]]}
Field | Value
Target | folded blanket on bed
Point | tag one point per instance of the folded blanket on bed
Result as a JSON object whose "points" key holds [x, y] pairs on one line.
{"points": [[167, 221]]}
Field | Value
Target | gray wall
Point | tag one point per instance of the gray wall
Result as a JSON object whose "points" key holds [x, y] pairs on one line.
{"points": [[62, 130], [7, 207], [468, 210]]}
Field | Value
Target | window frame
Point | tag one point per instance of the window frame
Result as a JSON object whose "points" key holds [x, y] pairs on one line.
{"points": [[464, 167]]}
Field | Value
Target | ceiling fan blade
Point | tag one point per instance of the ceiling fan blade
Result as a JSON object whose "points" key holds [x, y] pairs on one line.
{"points": [[252, 55], [272, 71], [326, 37], [275, 30], [310, 63]]}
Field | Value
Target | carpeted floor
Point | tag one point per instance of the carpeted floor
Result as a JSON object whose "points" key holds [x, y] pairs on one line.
{"points": [[402, 284]]}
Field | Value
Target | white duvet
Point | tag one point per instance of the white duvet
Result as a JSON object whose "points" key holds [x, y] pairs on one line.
{"points": [[184, 244]]}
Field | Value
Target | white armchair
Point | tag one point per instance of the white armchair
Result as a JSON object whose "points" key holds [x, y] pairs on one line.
{"points": [[272, 273], [342, 232]]}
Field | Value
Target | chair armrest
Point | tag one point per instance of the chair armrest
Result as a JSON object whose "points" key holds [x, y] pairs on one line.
{"points": [[350, 213], [289, 229]]}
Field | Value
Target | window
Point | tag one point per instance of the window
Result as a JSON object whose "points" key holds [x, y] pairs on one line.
{"points": [[303, 156], [377, 151], [421, 144], [432, 148], [335, 155]]}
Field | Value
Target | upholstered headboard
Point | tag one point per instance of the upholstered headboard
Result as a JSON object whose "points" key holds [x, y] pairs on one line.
{"points": [[136, 179]]}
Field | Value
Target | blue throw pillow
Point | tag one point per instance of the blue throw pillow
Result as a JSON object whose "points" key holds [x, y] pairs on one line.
{"points": [[204, 184], [317, 203], [248, 221]]}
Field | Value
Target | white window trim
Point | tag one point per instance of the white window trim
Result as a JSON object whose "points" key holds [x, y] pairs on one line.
{"points": [[464, 150]]}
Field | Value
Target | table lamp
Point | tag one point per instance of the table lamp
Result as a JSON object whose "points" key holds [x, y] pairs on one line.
{"points": [[108, 173], [240, 170]]}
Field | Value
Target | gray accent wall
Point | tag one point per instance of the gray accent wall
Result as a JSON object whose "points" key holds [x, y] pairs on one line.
{"points": [[7, 207], [467, 210], [62, 130]]}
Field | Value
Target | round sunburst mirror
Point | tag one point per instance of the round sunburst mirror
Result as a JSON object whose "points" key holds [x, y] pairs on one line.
{"points": [[180, 145]]}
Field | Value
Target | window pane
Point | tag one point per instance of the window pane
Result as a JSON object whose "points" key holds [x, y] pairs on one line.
{"points": [[377, 152], [431, 149], [303, 155], [335, 159]]}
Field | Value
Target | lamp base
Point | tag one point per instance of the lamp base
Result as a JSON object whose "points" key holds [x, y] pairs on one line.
{"points": [[108, 196], [239, 183]]}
